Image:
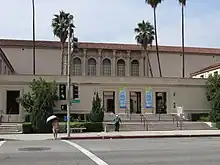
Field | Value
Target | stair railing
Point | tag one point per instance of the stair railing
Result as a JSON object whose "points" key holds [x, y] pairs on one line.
{"points": [[144, 120]]}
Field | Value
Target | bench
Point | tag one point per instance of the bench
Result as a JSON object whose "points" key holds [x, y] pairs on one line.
{"points": [[77, 129]]}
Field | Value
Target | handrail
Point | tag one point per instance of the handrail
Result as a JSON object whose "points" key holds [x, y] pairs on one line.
{"points": [[144, 120], [179, 120]]}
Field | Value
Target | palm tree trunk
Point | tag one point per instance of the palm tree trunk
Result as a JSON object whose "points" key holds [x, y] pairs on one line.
{"points": [[158, 56], [183, 51], [33, 10], [148, 61], [62, 58]]}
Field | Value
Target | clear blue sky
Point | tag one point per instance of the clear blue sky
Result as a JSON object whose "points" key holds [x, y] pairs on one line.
{"points": [[114, 20]]}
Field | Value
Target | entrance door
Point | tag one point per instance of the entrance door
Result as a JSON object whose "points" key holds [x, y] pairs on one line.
{"points": [[109, 101], [135, 102], [12, 105], [161, 102], [111, 105]]}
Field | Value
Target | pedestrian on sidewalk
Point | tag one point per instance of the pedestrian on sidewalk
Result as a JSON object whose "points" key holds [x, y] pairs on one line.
{"points": [[117, 121], [55, 128]]}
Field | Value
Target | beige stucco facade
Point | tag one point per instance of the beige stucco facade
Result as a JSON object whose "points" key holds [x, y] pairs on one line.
{"points": [[105, 68], [188, 93], [48, 58]]}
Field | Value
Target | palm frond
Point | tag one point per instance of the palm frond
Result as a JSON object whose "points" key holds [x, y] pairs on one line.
{"points": [[60, 25], [182, 2], [153, 3], [145, 34]]}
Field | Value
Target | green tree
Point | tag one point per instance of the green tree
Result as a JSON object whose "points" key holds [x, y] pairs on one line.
{"points": [[97, 112], [145, 36], [39, 103], [183, 4], [60, 25], [154, 4], [213, 97]]}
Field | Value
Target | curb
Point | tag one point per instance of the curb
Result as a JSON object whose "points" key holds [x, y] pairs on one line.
{"points": [[137, 137]]}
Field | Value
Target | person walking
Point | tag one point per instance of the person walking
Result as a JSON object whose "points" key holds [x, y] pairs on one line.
{"points": [[55, 128], [117, 121]]}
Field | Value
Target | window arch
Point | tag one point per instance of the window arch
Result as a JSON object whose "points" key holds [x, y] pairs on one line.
{"points": [[135, 68], [106, 67], [121, 67], [77, 67], [91, 67]]}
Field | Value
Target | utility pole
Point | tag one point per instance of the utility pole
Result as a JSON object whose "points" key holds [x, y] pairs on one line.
{"points": [[69, 78], [33, 19]]}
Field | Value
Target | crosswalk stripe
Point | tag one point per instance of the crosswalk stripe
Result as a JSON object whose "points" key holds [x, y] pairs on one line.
{"points": [[1, 143], [93, 157]]}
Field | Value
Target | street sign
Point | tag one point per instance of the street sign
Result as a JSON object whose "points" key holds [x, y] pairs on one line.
{"points": [[65, 118], [75, 101]]}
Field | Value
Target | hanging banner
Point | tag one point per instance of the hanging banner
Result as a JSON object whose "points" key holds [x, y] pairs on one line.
{"points": [[148, 97], [122, 97]]}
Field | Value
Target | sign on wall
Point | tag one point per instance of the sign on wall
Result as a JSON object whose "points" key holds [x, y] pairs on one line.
{"points": [[122, 97], [148, 97]]}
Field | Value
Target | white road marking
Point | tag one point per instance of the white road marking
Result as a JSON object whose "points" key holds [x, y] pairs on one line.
{"points": [[93, 157], [1, 143]]}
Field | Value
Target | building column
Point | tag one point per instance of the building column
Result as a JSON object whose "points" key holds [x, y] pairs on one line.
{"points": [[21, 109], [99, 63], [84, 69], [114, 63], [128, 100], [116, 101], [143, 101], [128, 63]]}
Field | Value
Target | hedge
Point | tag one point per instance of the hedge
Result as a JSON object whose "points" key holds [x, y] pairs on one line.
{"points": [[90, 127], [217, 125]]}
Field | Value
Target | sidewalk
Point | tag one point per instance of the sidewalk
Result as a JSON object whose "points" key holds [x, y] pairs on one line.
{"points": [[116, 135]]}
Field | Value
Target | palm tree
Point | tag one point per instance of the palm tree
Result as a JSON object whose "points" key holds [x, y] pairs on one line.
{"points": [[33, 33], [60, 24], [183, 4], [153, 4], [145, 36]]}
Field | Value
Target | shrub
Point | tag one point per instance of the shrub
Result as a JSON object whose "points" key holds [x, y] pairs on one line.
{"points": [[27, 128], [90, 126], [97, 112], [217, 125]]}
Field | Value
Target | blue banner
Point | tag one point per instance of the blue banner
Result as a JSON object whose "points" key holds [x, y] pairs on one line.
{"points": [[122, 97], [148, 97]]}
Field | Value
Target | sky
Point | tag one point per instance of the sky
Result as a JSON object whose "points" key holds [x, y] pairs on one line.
{"points": [[113, 21]]}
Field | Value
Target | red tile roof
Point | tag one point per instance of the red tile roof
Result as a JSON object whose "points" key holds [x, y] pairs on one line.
{"points": [[206, 69], [111, 46]]}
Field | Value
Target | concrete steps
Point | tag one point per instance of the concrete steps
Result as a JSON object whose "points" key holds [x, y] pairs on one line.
{"points": [[160, 126], [10, 128]]}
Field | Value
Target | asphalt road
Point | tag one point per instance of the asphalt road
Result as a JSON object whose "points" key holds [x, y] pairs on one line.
{"points": [[179, 151]]}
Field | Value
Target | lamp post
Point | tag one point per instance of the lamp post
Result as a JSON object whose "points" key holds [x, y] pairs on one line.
{"points": [[70, 49]]}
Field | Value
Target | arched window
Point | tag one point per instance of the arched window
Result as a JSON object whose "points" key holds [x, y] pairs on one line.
{"points": [[106, 67], [77, 69], [135, 68], [121, 68], [91, 67]]}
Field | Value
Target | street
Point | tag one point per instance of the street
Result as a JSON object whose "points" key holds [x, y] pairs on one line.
{"points": [[173, 151]]}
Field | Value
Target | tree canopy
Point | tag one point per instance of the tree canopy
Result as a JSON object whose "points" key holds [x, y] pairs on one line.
{"points": [[39, 103], [213, 97]]}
